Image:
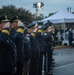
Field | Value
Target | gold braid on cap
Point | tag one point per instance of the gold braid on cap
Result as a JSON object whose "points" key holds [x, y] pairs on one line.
{"points": [[5, 20]]}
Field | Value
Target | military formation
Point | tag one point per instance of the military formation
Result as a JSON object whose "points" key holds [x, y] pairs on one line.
{"points": [[23, 49]]}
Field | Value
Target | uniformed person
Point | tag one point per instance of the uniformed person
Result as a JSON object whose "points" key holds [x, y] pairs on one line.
{"points": [[20, 47], [41, 44], [13, 31], [27, 52], [34, 50], [48, 52], [17, 32], [6, 48]]}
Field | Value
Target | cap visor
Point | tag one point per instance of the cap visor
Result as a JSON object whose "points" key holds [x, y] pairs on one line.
{"points": [[6, 20]]}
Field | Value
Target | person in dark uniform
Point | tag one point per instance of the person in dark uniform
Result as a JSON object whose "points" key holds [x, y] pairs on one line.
{"points": [[13, 31], [6, 48], [48, 52], [16, 24], [34, 50], [41, 44], [27, 52]]}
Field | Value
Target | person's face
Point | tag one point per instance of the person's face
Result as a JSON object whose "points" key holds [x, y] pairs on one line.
{"points": [[2, 25], [49, 29], [31, 29], [15, 24]]}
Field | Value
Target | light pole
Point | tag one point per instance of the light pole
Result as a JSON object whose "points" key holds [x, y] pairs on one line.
{"points": [[36, 12], [38, 6]]}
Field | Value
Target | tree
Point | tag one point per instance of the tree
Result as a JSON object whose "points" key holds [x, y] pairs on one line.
{"points": [[38, 18], [11, 10]]}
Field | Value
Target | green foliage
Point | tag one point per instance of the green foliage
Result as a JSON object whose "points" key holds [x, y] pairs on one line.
{"points": [[38, 18], [11, 10]]}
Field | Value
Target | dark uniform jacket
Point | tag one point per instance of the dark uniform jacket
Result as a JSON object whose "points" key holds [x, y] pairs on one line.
{"points": [[18, 39], [41, 43], [12, 33], [48, 40], [34, 48], [6, 53], [20, 48], [27, 47]]}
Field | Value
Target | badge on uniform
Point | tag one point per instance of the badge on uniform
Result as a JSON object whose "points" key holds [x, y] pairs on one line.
{"points": [[45, 34]]}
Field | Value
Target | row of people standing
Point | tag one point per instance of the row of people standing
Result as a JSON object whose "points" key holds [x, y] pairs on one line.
{"points": [[21, 51]]}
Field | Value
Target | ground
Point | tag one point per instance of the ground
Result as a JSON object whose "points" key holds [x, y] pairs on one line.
{"points": [[64, 61]]}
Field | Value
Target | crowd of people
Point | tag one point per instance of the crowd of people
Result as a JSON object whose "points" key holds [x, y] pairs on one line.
{"points": [[66, 35], [22, 48]]}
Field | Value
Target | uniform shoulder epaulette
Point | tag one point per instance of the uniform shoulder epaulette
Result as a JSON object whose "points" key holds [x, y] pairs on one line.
{"points": [[6, 31], [20, 30], [33, 34], [40, 31]]}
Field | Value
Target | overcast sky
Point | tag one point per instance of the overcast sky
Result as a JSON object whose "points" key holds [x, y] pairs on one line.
{"points": [[49, 5]]}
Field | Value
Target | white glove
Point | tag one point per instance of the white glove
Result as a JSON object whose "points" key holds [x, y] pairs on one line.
{"points": [[7, 25], [35, 30], [20, 23]]}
